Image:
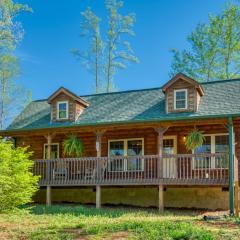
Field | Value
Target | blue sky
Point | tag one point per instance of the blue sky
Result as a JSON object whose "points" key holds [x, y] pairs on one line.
{"points": [[53, 28]]}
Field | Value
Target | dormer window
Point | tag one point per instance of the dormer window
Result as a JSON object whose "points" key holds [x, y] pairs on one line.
{"points": [[180, 99], [62, 110], [66, 106]]}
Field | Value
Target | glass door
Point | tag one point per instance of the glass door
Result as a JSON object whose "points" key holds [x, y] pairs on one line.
{"points": [[169, 161], [120, 149]]}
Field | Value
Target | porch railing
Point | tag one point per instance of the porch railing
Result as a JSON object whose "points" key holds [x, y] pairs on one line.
{"points": [[138, 170]]}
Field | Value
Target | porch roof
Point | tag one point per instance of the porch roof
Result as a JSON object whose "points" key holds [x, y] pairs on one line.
{"points": [[221, 98]]}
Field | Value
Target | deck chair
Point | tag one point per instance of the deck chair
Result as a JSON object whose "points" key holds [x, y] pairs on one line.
{"points": [[91, 173], [60, 171]]}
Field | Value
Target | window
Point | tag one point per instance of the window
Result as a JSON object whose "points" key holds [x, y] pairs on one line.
{"points": [[126, 147], [54, 151], [222, 146], [180, 99], [215, 143], [62, 110], [201, 162]]}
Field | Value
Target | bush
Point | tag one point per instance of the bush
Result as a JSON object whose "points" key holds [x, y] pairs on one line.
{"points": [[17, 183]]}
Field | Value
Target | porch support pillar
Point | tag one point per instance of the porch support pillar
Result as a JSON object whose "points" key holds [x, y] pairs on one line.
{"points": [[160, 198], [99, 167], [48, 196], [49, 142], [48, 190], [99, 142], [231, 164], [98, 196], [160, 131]]}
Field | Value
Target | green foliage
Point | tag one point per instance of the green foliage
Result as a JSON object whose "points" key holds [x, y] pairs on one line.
{"points": [[214, 48], [11, 33], [17, 183], [194, 139], [73, 146]]}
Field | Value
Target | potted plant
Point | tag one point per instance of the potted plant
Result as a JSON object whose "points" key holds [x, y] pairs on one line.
{"points": [[73, 146], [194, 139]]}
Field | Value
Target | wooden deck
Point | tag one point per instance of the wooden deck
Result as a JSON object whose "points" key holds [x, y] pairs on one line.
{"points": [[180, 169]]}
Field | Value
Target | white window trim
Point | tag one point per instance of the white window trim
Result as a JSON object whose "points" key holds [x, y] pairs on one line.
{"points": [[52, 144], [186, 99], [213, 151], [174, 137], [67, 113], [125, 141]]}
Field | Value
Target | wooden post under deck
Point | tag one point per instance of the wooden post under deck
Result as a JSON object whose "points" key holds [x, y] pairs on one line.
{"points": [[48, 190], [99, 154], [48, 196], [160, 198], [98, 196], [160, 131]]}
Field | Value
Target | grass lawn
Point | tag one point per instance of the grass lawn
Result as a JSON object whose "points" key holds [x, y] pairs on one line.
{"points": [[78, 222]]}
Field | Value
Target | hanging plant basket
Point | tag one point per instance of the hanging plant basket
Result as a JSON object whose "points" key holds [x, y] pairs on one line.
{"points": [[73, 146], [194, 139]]}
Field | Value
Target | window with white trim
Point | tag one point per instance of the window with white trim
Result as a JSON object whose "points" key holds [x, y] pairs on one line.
{"points": [[126, 147], [62, 110], [54, 150], [214, 143], [180, 99]]}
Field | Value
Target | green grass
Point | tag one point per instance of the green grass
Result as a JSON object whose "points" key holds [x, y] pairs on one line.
{"points": [[78, 222]]}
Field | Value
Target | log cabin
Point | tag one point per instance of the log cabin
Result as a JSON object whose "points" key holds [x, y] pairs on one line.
{"points": [[134, 145]]}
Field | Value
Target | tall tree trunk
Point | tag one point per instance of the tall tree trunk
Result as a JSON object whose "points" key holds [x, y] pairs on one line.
{"points": [[96, 65], [109, 69], [3, 93]]}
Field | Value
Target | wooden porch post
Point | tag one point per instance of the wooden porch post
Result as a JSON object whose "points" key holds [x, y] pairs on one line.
{"points": [[160, 198], [99, 142], [236, 182], [231, 164], [48, 196], [48, 190], [99, 154], [98, 196], [160, 131]]}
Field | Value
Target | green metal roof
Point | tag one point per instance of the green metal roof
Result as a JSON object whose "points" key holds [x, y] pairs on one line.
{"points": [[221, 98]]}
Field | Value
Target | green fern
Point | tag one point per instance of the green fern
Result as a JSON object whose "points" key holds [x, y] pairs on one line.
{"points": [[73, 146], [194, 139]]}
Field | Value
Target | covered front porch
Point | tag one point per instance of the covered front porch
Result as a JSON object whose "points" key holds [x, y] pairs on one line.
{"points": [[144, 155]]}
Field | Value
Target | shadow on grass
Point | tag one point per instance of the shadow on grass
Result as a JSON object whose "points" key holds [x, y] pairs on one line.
{"points": [[109, 211], [78, 210]]}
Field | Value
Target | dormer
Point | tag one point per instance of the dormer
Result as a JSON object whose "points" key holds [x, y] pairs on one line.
{"points": [[182, 94], [66, 106]]}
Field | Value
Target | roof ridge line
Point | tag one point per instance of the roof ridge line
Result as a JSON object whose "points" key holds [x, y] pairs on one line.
{"points": [[145, 89]]}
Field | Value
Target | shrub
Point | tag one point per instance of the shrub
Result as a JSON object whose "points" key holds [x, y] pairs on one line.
{"points": [[17, 183]]}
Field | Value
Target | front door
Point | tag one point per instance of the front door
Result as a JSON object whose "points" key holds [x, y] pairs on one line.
{"points": [[169, 162]]}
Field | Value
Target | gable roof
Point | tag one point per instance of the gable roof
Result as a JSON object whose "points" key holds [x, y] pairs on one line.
{"points": [[184, 77], [221, 98], [68, 93]]}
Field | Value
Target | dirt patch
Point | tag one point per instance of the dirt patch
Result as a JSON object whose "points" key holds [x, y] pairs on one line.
{"points": [[117, 236]]}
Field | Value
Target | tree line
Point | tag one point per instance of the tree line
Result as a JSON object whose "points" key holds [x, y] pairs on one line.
{"points": [[108, 51], [213, 52]]}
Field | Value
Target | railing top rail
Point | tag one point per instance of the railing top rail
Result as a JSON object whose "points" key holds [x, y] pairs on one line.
{"points": [[194, 155]]}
